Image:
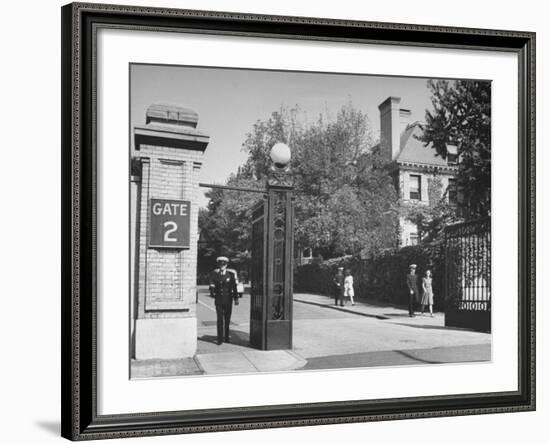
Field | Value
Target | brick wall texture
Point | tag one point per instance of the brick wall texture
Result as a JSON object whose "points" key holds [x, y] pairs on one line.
{"points": [[166, 279]]}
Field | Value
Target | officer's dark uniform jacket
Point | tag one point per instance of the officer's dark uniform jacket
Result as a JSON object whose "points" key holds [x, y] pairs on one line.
{"points": [[225, 287], [412, 283]]}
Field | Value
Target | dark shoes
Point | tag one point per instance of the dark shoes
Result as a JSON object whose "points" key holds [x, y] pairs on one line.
{"points": [[227, 341]]}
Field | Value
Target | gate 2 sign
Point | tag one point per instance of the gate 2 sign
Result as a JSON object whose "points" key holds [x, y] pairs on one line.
{"points": [[169, 223]]}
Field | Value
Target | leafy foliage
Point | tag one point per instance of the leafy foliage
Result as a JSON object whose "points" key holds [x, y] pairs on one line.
{"points": [[225, 223], [461, 117], [432, 219], [380, 278], [345, 201]]}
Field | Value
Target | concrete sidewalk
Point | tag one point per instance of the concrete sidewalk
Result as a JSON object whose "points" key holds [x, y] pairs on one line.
{"points": [[372, 310], [249, 361], [233, 362], [368, 334]]}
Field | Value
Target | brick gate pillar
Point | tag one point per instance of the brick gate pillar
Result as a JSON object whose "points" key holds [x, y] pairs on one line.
{"points": [[167, 159]]}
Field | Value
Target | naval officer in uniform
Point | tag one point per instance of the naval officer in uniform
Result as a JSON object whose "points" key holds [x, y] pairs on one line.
{"points": [[224, 285], [412, 285]]}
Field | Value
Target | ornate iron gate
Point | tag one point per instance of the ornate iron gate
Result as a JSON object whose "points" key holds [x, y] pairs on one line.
{"points": [[280, 258], [468, 275], [258, 276], [271, 270]]}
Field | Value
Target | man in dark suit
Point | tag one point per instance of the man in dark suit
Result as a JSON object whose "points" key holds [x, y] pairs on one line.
{"points": [[224, 287], [339, 286], [412, 285]]}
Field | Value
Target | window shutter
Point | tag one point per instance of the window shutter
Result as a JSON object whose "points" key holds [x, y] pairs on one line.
{"points": [[406, 180], [444, 185]]}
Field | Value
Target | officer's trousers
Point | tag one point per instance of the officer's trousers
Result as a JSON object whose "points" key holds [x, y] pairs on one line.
{"points": [[223, 312], [412, 303]]}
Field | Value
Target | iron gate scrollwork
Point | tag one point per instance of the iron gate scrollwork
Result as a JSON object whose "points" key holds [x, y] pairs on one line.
{"points": [[277, 302], [257, 276], [468, 275], [271, 271]]}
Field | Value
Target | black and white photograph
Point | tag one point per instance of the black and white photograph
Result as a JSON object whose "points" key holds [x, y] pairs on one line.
{"points": [[275, 222], [285, 221]]}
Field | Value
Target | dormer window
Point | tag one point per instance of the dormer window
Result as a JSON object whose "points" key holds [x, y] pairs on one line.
{"points": [[452, 154]]}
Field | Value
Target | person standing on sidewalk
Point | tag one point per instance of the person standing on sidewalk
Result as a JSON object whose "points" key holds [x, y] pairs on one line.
{"points": [[412, 285], [427, 293], [339, 284], [348, 286], [224, 287]]}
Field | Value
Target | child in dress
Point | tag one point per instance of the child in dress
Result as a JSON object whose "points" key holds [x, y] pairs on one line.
{"points": [[348, 286]]}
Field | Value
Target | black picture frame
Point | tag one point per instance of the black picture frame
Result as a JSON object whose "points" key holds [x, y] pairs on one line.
{"points": [[80, 420]]}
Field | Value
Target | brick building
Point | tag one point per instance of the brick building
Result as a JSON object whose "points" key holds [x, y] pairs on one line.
{"points": [[420, 175]]}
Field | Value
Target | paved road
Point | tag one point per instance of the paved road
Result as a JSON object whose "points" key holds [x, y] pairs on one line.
{"points": [[330, 338], [240, 321]]}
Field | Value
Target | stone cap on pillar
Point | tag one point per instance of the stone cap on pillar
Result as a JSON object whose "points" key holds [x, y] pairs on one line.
{"points": [[170, 125], [171, 113]]}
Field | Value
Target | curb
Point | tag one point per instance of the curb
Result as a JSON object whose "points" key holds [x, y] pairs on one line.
{"points": [[300, 359], [199, 366], [345, 310]]}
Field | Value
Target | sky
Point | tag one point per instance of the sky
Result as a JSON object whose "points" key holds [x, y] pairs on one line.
{"points": [[230, 101]]}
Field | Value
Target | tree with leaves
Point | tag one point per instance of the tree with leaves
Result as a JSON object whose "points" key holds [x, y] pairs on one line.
{"points": [[461, 117], [225, 224], [432, 219], [345, 201]]}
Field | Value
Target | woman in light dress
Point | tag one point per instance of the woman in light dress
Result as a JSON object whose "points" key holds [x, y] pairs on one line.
{"points": [[427, 293], [348, 286]]}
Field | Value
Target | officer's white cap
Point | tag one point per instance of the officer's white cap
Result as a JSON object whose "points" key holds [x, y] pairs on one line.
{"points": [[222, 258], [412, 266]]}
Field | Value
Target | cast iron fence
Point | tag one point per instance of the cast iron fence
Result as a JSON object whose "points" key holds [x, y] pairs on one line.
{"points": [[468, 275]]}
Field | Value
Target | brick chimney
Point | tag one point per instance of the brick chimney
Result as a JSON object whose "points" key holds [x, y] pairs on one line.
{"points": [[393, 120]]}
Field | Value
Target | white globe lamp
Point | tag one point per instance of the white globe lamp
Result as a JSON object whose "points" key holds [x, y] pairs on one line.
{"points": [[280, 155]]}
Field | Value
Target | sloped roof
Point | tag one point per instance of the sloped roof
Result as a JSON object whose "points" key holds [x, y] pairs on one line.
{"points": [[413, 150]]}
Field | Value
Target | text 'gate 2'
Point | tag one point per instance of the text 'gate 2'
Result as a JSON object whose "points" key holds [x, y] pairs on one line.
{"points": [[169, 223]]}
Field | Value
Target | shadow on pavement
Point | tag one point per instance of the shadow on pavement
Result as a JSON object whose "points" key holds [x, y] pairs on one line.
{"points": [[208, 338], [240, 338], [416, 358], [438, 327]]}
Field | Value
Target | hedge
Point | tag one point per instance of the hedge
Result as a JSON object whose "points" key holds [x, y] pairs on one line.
{"points": [[381, 279]]}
